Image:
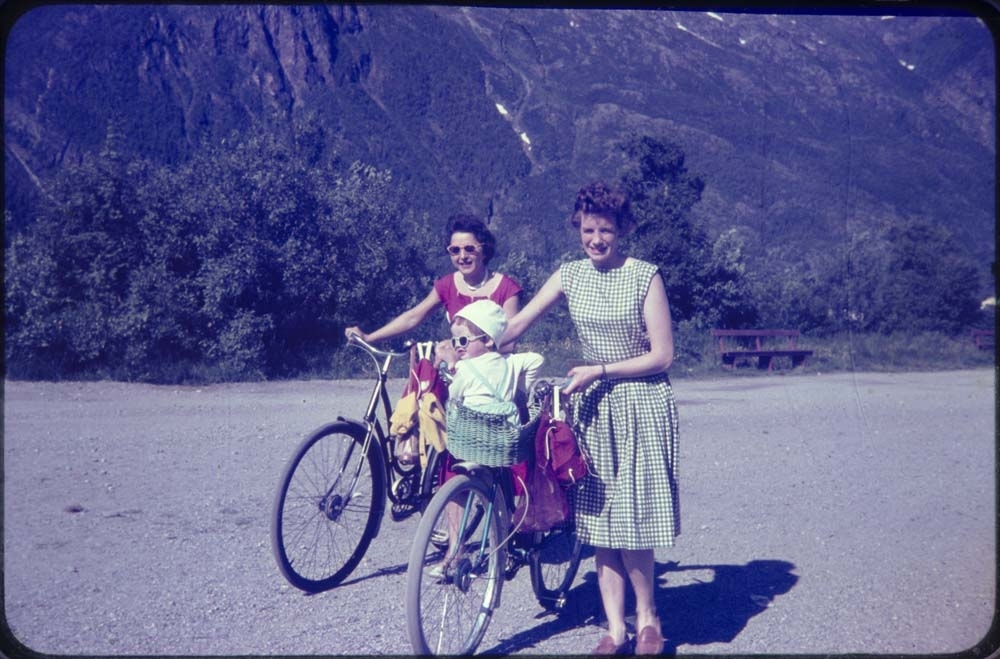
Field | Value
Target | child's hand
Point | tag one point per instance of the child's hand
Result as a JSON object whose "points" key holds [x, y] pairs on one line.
{"points": [[445, 352]]}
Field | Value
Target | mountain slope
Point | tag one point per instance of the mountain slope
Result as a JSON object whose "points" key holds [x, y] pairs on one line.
{"points": [[803, 126]]}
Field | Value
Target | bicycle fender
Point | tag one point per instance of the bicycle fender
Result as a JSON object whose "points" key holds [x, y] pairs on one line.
{"points": [[354, 422], [474, 470]]}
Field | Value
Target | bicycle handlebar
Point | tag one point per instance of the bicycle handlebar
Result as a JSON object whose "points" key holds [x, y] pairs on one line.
{"points": [[358, 342]]}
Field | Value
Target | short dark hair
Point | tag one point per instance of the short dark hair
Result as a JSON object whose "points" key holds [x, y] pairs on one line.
{"points": [[466, 223], [599, 198]]}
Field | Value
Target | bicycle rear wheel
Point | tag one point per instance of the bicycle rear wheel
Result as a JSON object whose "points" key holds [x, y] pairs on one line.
{"points": [[451, 594], [328, 507], [554, 563]]}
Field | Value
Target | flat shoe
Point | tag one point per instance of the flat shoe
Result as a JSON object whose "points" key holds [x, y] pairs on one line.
{"points": [[607, 646], [649, 641], [441, 571]]}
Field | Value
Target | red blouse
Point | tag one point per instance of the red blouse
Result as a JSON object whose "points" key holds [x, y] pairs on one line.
{"points": [[447, 290]]}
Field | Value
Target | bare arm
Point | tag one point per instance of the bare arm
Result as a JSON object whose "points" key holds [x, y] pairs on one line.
{"points": [[547, 295], [404, 322], [656, 314], [511, 307]]}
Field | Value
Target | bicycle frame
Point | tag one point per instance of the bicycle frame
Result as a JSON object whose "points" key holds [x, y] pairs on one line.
{"points": [[379, 391], [334, 488], [370, 421], [374, 430], [467, 544], [498, 481]]}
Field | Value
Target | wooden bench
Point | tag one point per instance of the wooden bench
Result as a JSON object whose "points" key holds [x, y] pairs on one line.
{"points": [[983, 339], [745, 344]]}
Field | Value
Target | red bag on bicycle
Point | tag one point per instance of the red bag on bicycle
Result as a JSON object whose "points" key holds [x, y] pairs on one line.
{"points": [[545, 503], [561, 452]]}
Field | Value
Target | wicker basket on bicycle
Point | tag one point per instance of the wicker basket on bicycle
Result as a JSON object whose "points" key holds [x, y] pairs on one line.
{"points": [[491, 435], [490, 438]]}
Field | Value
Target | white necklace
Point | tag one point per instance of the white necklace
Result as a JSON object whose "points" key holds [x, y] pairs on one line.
{"points": [[482, 283]]}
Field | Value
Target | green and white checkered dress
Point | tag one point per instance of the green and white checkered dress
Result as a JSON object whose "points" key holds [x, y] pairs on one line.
{"points": [[628, 426]]}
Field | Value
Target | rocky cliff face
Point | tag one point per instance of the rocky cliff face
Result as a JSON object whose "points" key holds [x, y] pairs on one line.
{"points": [[801, 125]]}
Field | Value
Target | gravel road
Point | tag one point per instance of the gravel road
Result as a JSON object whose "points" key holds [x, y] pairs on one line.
{"points": [[822, 514]]}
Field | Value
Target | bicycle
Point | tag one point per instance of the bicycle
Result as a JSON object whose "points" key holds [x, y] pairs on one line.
{"points": [[331, 498], [451, 594]]}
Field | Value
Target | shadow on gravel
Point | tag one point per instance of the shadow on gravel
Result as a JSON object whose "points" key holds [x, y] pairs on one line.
{"points": [[698, 604], [697, 612], [381, 572]]}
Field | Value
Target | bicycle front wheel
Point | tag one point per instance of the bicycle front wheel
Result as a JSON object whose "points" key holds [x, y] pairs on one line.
{"points": [[328, 507], [554, 560], [451, 592]]}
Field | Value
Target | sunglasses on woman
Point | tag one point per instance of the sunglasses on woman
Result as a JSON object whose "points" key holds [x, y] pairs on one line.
{"points": [[463, 341], [455, 250]]}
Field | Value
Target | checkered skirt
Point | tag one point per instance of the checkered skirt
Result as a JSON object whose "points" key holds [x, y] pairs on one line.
{"points": [[628, 426]]}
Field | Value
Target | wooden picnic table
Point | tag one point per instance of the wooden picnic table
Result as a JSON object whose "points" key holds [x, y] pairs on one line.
{"points": [[983, 339], [762, 344]]}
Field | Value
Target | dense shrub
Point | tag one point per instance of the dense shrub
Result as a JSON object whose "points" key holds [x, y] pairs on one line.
{"points": [[704, 278], [248, 260], [245, 262], [910, 274]]}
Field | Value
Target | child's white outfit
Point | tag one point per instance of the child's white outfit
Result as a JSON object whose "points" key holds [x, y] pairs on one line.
{"points": [[503, 374]]}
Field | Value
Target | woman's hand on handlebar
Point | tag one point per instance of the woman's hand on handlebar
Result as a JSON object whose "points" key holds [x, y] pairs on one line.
{"points": [[351, 332], [580, 377]]}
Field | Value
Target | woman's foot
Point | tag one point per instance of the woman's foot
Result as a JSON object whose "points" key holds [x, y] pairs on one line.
{"points": [[649, 641], [607, 646]]}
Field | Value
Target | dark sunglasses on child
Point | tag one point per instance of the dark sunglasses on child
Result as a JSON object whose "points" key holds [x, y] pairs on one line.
{"points": [[463, 341]]}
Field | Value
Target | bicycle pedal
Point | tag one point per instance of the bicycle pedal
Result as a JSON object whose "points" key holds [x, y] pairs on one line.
{"points": [[515, 560], [403, 487], [520, 555], [401, 511]]}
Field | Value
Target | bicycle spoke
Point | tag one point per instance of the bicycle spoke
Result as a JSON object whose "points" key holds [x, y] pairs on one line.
{"points": [[325, 516], [450, 594]]}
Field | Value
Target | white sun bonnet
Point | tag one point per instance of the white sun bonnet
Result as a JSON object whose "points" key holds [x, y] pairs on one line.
{"points": [[488, 316]]}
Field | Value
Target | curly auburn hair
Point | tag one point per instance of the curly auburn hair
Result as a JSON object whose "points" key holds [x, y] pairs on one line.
{"points": [[465, 223], [599, 198]]}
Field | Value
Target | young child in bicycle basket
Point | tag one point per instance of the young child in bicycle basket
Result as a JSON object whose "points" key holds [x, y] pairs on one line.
{"points": [[481, 381], [484, 381]]}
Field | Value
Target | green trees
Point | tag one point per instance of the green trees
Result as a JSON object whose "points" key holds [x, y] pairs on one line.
{"points": [[792, 289], [67, 280], [705, 278], [248, 260], [245, 262], [904, 276], [909, 274]]}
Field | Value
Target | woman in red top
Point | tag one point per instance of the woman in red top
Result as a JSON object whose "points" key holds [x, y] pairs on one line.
{"points": [[471, 245]]}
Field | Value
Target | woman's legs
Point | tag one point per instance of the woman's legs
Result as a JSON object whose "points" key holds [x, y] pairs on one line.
{"points": [[611, 582], [614, 566], [639, 564]]}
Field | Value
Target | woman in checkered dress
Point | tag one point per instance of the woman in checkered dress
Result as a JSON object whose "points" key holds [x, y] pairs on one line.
{"points": [[625, 413]]}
